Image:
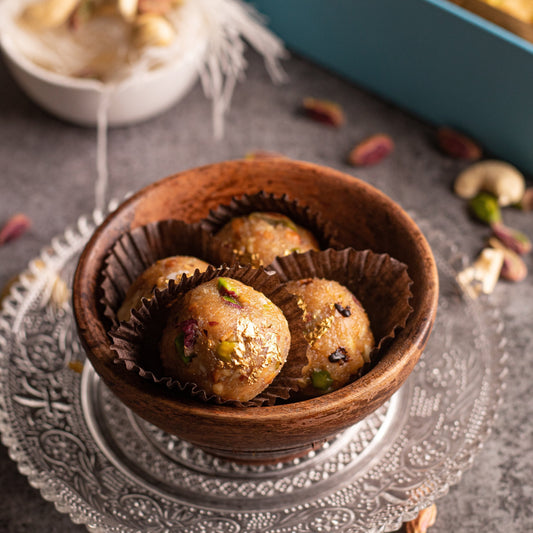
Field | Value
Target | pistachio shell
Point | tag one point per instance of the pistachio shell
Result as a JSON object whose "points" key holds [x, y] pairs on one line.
{"points": [[513, 268], [512, 238]]}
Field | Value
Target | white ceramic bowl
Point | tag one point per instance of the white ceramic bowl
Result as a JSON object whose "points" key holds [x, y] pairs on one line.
{"points": [[78, 100]]}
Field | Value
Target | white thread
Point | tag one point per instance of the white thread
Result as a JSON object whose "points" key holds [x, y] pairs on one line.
{"points": [[102, 169]]}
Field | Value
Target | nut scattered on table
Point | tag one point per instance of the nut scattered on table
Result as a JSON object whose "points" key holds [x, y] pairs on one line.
{"points": [[484, 207], [152, 30], [425, 519], [457, 145], [513, 268], [513, 239], [324, 111], [371, 151], [501, 179], [482, 276], [14, 228]]}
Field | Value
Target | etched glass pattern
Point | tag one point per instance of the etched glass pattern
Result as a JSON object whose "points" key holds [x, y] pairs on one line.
{"points": [[114, 472]]}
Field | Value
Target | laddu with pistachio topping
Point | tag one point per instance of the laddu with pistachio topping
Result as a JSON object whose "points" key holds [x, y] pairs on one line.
{"points": [[260, 237], [227, 338], [157, 276], [338, 332]]}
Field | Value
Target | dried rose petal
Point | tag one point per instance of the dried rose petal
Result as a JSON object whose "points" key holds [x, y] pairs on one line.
{"points": [[14, 228], [324, 111], [190, 332], [371, 151], [457, 145]]}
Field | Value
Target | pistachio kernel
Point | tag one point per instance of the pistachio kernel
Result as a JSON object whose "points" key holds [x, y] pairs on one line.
{"points": [[227, 292], [275, 219], [179, 344], [321, 379], [484, 206], [225, 349]]}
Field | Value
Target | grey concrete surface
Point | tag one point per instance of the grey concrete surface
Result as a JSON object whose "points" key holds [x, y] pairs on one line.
{"points": [[48, 170]]}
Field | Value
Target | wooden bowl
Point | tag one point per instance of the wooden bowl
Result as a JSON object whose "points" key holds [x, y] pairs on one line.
{"points": [[365, 217]]}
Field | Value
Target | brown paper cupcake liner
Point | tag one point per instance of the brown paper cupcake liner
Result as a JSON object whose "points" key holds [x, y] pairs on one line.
{"points": [[324, 232], [136, 342], [140, 248], [380, 282]]}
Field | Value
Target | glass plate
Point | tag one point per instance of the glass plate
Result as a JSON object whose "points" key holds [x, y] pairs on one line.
{"points": [[115, 472]]}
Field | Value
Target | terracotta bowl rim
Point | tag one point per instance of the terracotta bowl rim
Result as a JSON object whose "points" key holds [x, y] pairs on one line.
{"points": [[390, 364]]}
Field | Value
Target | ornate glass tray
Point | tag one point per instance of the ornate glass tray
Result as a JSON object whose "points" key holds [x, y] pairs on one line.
{"points": [[116, 473]]}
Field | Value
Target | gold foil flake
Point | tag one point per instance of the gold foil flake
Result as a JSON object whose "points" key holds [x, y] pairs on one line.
{"points": [[319, 330], [252, 353], [301, 304]]}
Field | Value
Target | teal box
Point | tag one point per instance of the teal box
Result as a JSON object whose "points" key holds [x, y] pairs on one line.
{"points": [[430, 57]]}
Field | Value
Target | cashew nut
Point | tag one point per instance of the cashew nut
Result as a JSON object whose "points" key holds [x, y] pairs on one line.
{"points": [[48, 14], [128, 9], [483, 275], [501, 179], [152, 30]]}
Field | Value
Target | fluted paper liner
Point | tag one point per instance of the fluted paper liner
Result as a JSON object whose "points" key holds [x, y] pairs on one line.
{"points": [[323, 231], [380, 282], [140, 248], [136, 342]]}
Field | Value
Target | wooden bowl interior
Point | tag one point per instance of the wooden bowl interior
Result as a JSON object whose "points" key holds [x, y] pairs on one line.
{"points": [[365, 217]]}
